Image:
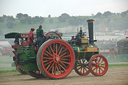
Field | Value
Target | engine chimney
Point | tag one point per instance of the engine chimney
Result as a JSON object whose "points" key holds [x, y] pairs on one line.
{"points": [[90, 30]]}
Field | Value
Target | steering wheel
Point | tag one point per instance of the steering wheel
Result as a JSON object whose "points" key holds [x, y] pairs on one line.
{"points": [[52, 35]]}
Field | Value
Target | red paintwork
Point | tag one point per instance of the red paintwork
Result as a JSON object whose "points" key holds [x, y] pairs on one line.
{"points": [[57, 59], [15, 46], [98, 65], [25, 43], [80, 68], [73, 37]]}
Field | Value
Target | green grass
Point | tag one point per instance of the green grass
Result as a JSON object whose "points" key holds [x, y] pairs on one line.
{"points": [[8, 71], [115, 65]]}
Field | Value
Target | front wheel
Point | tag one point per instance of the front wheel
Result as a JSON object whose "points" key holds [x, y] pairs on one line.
{"points": [[98, 65]]}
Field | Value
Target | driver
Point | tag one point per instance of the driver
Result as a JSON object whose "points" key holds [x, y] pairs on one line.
{"points": [[40, 35]]}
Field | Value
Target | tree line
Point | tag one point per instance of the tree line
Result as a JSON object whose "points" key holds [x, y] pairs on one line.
{"points": [[112, 21]]}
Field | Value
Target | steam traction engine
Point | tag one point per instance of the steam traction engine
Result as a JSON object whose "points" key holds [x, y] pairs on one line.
{"points": [[56, 57]]}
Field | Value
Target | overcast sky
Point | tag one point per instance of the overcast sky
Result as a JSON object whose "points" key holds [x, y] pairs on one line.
{"points": [[57, 7]]}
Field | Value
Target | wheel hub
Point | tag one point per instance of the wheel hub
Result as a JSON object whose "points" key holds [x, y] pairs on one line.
{"points": [[84, 65], [99, 65], [57, 58]]}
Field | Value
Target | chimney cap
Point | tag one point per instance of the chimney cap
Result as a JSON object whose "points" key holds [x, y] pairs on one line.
{"points": [[90, 20]]}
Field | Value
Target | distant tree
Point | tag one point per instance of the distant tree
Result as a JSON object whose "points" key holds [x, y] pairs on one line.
{"points": [[19, 15], [64, 17], [99, 14], [75, 21], [10, 24], [4, 17], [25, 15], [41, 20], [123, 14], [29, 20], [10, 18], [35, 19], [92, 15], [107, 13], [49, 16], [23, 20], [1, 19]]}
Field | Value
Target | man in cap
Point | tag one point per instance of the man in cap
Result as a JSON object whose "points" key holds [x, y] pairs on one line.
{"points": [[31, 37], [40, 35]]}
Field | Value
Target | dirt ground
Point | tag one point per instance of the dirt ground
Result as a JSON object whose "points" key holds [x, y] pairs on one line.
{"points": [[114, 76]]}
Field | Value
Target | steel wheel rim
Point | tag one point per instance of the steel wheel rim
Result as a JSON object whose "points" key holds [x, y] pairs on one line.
{"points": [[98, 65], [80, 67], [57, 59]]}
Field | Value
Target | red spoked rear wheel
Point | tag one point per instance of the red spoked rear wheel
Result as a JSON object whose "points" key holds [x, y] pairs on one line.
{"points": [[55, 59], [98, 65], [81, 67]]}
